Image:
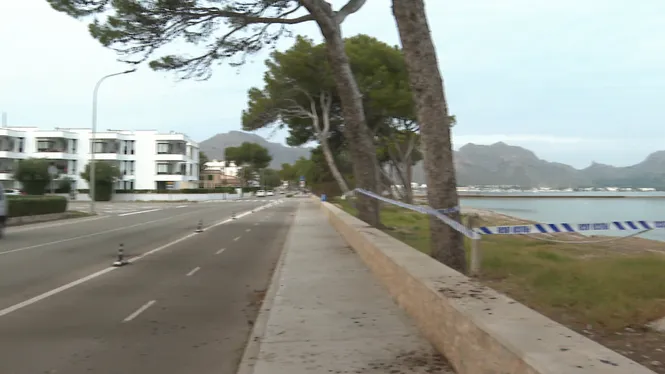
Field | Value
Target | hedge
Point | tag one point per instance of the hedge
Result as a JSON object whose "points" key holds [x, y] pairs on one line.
{"points": [[21, 206]]}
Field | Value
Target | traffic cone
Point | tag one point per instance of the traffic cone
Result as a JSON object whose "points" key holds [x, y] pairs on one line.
{"points": [[199, 227], [121, 256], [233, 215]]}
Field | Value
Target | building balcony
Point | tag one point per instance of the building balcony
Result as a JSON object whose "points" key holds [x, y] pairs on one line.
{"points": [[12, 155], [170, 157], [171, 178], [6, 176], [54, 155], [107, 156]]}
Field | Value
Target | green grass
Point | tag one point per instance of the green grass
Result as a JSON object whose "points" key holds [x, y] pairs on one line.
{"points": [[576, 284]]}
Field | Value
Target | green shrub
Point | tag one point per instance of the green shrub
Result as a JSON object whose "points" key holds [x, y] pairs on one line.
{"points": [[33, 175], [103, 191], [64, 185], [106, 173], [289, 195], [21, 206]]}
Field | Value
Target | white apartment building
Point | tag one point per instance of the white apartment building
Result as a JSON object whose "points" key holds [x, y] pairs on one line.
{"points": [[148, 160]]}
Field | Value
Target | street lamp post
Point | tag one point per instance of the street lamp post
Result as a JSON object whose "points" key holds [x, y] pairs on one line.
{"points": [[94, 133]]}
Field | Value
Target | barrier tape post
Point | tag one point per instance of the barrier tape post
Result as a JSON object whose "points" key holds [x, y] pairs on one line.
{"points": [[476, 254]]}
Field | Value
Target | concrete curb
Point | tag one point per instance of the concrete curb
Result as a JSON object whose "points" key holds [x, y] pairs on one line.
{"points": [[253, 346], [475, 327]]}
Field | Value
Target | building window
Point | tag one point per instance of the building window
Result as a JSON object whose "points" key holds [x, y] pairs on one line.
{"points": [[163, 148], [98, 147], [162, 168]]}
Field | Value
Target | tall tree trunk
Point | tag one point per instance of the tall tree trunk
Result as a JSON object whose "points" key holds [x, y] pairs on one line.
{"points": [[330, 159], [361, 144], [408, 170], [447, 245]]}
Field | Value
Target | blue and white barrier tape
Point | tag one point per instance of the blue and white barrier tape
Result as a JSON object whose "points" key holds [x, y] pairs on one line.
{"points": [[547, 228], [454, 209], [426, 210]]}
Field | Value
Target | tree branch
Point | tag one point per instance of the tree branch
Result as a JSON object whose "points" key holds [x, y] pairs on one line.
{"points": [[349, 8]]}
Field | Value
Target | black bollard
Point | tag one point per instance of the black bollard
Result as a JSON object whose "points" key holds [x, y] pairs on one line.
{"points": [[121, 256]]}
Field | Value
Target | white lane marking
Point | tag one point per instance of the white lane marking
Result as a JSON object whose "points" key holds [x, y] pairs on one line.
{"points": [[139, 212], [43, 296], [134, 259], [236, 239], [220, 251], [93, 234], [248, 230], [181, 206], [193, 271], [69, 221], [139, 310], [23, 304], [256, 224]]}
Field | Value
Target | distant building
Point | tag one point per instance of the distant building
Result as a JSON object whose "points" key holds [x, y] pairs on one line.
{"points": [[147, 159], [215, 165], [218, 174]]}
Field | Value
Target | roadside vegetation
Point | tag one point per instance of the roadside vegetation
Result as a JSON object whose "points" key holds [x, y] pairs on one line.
{"points": [[607, 291], [22, 206]]}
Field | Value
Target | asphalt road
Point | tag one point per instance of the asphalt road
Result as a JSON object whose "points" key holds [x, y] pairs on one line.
{"points": [[184, 305]]}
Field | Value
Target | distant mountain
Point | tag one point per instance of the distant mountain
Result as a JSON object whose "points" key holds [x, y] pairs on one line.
{"points": [[215, 146], [496, 164], [503, 164]]}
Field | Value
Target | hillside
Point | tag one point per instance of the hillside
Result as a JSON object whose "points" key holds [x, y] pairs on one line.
{"points": [[496, 164], [215, 146], [503, 164]]}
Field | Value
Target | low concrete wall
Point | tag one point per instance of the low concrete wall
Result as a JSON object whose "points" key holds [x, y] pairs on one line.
{"points": [[17, 221], [479, 330], [163, 197]]}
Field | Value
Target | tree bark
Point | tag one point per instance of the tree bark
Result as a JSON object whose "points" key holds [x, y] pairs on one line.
{"points": [[408, 193], [327, 153], [447, 245], [322, 134], [361, 144]]}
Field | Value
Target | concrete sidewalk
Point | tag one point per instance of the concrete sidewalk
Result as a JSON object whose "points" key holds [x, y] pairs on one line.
{"points": [[325, 313]]}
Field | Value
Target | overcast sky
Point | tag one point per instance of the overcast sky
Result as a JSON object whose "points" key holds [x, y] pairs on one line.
{"points": [[574, 81]]}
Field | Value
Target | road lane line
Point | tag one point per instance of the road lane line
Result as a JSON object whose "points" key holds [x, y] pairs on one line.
{"points": [[256, 224], [181, 206], [55, 291], [43, 296], [193, 271], [139, 212], [94, 234], [220, 251], [139, 311], [248, 230], [236, 239]]}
